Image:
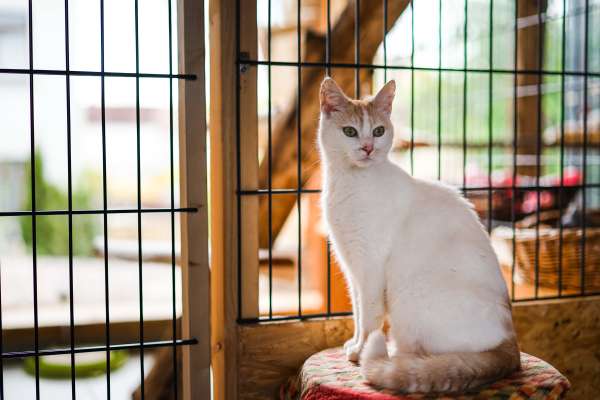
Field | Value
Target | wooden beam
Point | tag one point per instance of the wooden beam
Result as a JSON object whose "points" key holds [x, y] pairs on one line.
{"points": [[528, 52], [193, 193], [249, 160], [222, 17], [285, 150]]}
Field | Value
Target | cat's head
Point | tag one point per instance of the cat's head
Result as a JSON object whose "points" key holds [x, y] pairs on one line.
{"points": [[358, 133]]}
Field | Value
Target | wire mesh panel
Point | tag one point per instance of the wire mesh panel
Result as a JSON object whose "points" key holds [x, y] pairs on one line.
{"points": [[498, 98], [145, 84]]}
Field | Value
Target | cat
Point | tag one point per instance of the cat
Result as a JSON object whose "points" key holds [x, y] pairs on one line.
{"points": [[413, 253]]}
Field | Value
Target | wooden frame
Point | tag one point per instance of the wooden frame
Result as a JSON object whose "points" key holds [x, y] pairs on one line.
{"points": [[249, 159], [193, 187], [222, 17]]}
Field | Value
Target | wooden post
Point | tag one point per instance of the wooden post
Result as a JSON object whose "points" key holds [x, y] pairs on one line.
{"points": [[224, 279], [528, 46], [193, 193], [249, 159]]}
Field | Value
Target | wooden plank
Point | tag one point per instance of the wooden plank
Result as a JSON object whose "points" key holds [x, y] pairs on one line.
{"points": [[527, 106], [249, 159], [222, 17], [267, 357], [193, 193], [284, 143], [565, 332]]}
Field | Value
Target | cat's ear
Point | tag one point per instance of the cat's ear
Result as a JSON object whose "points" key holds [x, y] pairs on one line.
{"points": [[384, 99], [331, 96]]}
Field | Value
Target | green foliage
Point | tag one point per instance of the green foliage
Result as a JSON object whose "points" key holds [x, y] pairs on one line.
{"points": [[58, 369], [53, 230]]}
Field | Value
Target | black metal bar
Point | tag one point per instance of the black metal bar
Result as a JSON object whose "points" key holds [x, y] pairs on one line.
{"points": [[328, 40], [328, 277], [139, 194], [94, 349], [439, 94], [277, 191], [244, 321], [385, 31], [328, 72], [57, 72], [36, 331], [464, 96], [70, 203], [98, 212], [304, 64], [356, 48], [270, 163], [412, 88], [562, 150], [564, 296], [172, 188], [259, 192], [104, 201], [1, 342], [531, 188], [538, 155], [585, 147], [513, 214], [299, 160], [316, 64], [490, 116]]}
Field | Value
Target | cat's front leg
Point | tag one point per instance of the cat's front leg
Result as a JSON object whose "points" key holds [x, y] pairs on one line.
{"points": [[370, 306], [351, 343]]}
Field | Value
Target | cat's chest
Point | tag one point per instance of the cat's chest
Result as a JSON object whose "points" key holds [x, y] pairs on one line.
{"points": [[357, 208]]}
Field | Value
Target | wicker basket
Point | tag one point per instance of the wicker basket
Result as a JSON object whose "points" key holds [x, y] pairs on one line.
{"points": [[549, 250]]}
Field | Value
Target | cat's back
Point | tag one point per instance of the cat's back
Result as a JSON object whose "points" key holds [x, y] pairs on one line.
{"points": [[443, 220], [437, 201]]}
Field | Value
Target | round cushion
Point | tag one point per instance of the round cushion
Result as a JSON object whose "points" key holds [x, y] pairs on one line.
{"points": [[327, 375]]}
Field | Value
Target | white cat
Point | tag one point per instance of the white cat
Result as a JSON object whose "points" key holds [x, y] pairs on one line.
{"points": [[413, 252]]}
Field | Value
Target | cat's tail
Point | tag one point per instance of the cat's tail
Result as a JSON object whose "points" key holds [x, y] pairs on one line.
{"points": [[450, 372]]}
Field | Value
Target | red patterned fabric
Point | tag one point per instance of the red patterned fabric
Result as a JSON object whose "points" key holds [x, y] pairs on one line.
{"points": [[329, 376]]}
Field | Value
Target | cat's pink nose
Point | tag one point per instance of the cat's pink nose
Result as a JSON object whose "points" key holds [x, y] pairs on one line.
{"points": [[367, 148]]}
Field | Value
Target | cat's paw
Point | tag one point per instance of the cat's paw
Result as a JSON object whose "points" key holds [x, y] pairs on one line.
{"points": [[349, 343], [352, 351]]}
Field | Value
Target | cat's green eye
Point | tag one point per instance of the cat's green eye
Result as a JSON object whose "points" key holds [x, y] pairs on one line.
{"points": [[379, 131], [350, 131]]}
